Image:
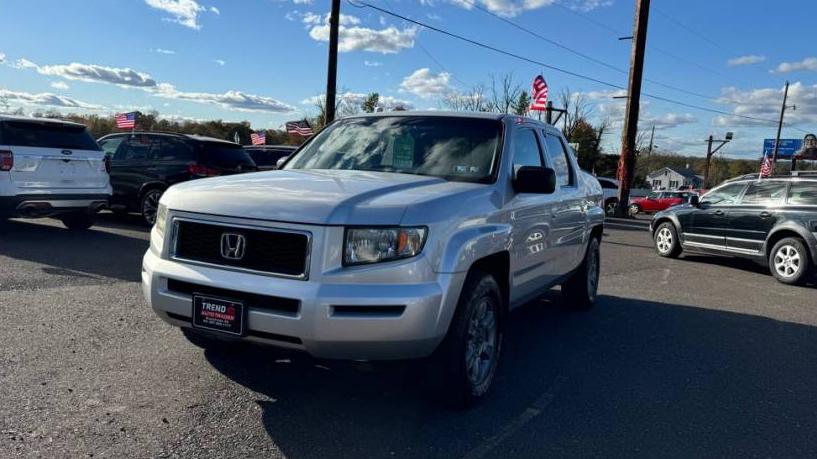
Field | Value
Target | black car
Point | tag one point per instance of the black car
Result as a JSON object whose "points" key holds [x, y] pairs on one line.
{"points": [[772, 220], [145, 164], [266, 156]]}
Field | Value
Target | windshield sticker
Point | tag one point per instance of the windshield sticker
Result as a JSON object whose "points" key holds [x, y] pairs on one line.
{"points": [[403, 152]]}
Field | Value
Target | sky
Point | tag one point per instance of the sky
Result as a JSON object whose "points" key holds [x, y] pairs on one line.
{"points": [[264, 61]]}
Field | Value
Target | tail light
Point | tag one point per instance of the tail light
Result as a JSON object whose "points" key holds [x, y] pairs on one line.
{"points": [[202, 171], [6, 160], [108, 165]]}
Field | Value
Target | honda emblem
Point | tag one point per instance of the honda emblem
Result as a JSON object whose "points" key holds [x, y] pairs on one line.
{"points": [[233, 246]]}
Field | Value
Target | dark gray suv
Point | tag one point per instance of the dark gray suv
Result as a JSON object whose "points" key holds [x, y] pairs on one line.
{"points": [[773, 220]]}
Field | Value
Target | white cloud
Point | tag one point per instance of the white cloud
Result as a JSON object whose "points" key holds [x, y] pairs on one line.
{"points": [[59, 85], [510, 8], [184, 12], [2, 58], [357, 99], [230, 100], [425, 84], [302, 2], [46, 99], [164, 51], [668, 120], [352, 37], [96, 73], [372, 63], [765, 103], [220, 62], [809, 63], [749, 59], [23, 64]]}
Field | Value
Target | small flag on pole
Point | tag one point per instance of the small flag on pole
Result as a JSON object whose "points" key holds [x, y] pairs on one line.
{"points": [[766, 167], [125, 120], [301, 128], [258, 138], [540, 94]]}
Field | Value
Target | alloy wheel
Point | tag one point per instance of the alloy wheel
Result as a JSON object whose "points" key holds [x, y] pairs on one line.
{"points": [[663, 241], [787, 261], [150, 205], [481, 343]]}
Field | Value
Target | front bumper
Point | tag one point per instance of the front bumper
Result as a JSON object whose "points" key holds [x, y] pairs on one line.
{"points": [[45, 205], [387, 321]]}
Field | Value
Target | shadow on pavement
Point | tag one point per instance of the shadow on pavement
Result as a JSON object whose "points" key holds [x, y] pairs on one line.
{"points": [[629, 378], [75, 253], [744, 264]]}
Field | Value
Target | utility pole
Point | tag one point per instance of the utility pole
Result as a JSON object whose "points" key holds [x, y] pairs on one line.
{"points": [[780, 128], [652, 137], [710, 152], [549, 112], [626, 164], [332, 67]]}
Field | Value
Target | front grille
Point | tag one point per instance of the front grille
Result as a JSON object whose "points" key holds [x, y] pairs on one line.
{"points": [[270, 251], [277, 304]]}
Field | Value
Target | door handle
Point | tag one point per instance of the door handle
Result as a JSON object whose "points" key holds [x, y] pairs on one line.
{"points": [[719, 213], [765, 214]]}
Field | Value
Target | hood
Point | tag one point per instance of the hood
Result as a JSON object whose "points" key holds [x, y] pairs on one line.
{"points": [[322, 197]]}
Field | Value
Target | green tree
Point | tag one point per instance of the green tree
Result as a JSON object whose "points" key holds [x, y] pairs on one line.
{"points": [[370, 104], [522, 104], [587, 137]]}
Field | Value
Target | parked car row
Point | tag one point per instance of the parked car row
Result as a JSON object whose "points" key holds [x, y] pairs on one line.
{"points": [[54, 168]]}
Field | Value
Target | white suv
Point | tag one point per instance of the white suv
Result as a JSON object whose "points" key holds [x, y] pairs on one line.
{"points": [[51, 168]]}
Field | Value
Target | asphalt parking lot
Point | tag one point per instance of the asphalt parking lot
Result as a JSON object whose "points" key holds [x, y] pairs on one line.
{"points": [[691, 357]]}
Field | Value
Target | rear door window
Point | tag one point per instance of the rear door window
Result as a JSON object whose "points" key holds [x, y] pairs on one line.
{"points": [[803, 193], [725, 195], [559, 160], [137, 148], [172, 149], [764, 193], [225, 155], [46, 134]]}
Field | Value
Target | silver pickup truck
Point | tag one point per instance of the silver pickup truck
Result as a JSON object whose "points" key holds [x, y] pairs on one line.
{"points": [[389, 236]]}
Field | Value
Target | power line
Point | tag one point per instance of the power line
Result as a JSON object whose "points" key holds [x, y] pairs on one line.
{"points": [[580, 54], [690, 29], [358, 4]]}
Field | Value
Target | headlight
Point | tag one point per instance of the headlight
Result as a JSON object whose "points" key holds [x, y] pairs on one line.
{"points": [[161, 219], [372, 245]]}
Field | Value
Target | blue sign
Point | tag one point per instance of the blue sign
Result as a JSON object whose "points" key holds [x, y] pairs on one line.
{"points": [[786, 149]]}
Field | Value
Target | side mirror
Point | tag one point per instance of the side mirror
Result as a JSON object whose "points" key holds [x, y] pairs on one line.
{"points": [[281, 162], [695, 200], [532, 179]]}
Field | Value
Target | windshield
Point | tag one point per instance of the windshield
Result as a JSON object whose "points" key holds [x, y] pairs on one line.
{"points": [[226, 155], [463, 149]]}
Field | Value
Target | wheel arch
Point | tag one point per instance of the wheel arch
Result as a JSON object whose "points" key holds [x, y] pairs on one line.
{"points": [[791, 231], [150, 186]]}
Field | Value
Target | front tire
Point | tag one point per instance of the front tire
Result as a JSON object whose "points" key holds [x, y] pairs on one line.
{"points": [[610, 207], [78, 221], [666, 241], [634, 210], [462, 369], [789, 261], [581, 289]]}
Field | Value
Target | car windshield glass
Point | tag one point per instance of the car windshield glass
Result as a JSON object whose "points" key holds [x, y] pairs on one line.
{"points": [[653, 195], [46, 135], [226, 155], [463, 149]]}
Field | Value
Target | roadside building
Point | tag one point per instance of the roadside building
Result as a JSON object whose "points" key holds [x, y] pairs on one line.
{"points": [[671, 178]]}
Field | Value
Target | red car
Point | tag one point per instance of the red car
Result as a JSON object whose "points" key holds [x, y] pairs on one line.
{"points": [[658, 201]]}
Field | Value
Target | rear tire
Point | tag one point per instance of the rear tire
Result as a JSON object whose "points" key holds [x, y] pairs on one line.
{"points": [[790, 261], [78, 221], [463, 367], [149, 205], [666, 241], [581, 289], [610, 207]]}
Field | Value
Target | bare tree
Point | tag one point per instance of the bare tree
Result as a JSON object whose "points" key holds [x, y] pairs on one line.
{"points": [[577, 108], [471, 100], [344, 106], [504, 93]]}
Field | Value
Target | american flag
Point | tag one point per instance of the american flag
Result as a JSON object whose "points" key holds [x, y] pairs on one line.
{"points": [[766, 167], [126, 120], [258, 138], [299, 128], [540, 94]]}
